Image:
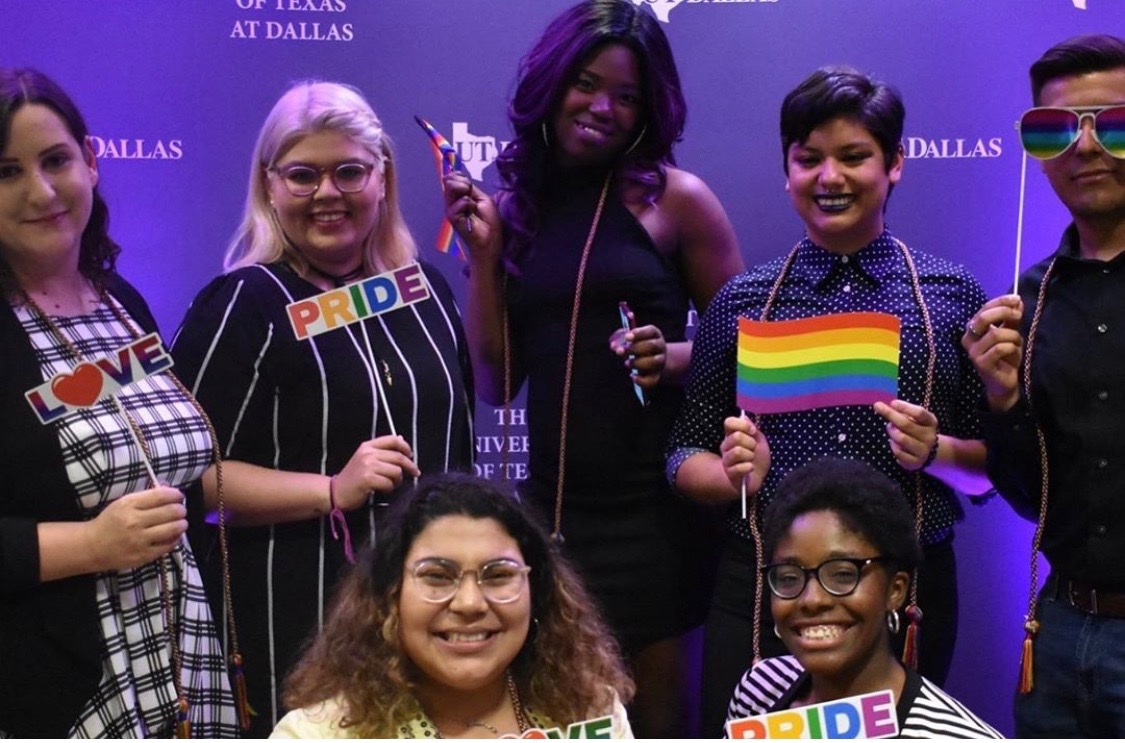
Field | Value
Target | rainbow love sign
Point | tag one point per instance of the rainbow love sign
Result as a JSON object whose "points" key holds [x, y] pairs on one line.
{"points": [[599, 728], [863, 716], [349, 304], [84, 385]]}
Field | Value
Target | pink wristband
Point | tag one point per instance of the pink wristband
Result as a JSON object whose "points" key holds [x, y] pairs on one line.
{"points": [[336, 515]]}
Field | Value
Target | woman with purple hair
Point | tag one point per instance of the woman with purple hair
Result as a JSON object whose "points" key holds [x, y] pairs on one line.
{"points": [[581, 275]]}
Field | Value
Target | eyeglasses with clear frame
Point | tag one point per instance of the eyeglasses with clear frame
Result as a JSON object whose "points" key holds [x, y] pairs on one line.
{"points": [[839, 576], [438, 580], [305, 180]]}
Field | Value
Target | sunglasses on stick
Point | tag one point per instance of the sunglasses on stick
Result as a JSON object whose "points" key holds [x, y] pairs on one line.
{"points": [[1048, 132]]}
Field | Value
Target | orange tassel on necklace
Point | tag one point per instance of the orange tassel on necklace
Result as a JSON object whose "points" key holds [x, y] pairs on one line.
{"points": [[241, 697], [183, 722], [910, 650], [1027, 669]]}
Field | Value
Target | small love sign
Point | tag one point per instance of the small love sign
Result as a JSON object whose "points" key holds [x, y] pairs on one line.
{"points": [[91, 381]]}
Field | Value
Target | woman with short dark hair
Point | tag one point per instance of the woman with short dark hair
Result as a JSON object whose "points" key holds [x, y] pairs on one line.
{"points": [[840, 548]]}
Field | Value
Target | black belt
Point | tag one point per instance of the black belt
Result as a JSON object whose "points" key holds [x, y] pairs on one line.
{"points": [[1086, 597]]}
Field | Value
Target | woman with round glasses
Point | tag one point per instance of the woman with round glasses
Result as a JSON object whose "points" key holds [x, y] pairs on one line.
{"points": [[463, 622], [318, 431], [840, 547]]}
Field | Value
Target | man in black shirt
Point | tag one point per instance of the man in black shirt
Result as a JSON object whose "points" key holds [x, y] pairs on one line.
{"points": [[1056, 434]]}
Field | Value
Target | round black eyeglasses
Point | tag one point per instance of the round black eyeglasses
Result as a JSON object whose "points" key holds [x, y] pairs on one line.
{"points": [[839, 576]]}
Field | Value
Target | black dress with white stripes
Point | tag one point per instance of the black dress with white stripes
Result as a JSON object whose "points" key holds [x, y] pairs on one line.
{"points": [[304, 406]]}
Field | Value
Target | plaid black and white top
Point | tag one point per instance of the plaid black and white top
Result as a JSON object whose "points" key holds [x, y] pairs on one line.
{"points": [[923, 709], [136, 696]]}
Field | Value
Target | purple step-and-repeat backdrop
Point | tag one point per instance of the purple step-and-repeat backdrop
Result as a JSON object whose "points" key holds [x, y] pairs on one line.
{"points": [[174, 93]]}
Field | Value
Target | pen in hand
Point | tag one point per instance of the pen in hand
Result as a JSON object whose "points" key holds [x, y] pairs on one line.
{"points": [[627, 325]]}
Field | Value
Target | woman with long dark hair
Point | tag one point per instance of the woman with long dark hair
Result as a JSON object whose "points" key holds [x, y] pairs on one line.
{"points": [[581, 274], [104, 629]]}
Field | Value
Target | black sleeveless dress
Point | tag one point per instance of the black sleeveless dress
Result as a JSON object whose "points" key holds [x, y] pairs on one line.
{"points": [[641, 549]]}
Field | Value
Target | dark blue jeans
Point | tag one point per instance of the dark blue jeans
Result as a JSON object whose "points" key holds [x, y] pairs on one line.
{"points": [[1079, 689]]}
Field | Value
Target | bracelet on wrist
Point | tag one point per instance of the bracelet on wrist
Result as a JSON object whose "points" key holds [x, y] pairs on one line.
{"points": [[932, 455], [336, 515]]}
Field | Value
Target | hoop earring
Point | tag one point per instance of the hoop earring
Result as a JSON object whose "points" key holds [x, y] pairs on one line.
{"points": [[543, 128], [776, 632], [893, 623], [637, 141]]}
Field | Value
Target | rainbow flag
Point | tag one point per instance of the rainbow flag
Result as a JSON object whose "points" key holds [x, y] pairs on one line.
{"points": [[447, 160], [817, 362]]}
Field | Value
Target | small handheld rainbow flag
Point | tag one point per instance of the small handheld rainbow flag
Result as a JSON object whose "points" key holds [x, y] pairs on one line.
{"points": [[845, 359], [447, 161]]}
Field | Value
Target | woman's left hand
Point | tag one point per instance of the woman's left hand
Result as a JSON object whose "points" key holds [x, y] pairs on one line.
{"points": [[644, 352], [912, 431]]}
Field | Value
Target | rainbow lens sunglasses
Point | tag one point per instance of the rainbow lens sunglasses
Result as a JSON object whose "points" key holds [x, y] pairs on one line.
{"points": [[1048, 132]]}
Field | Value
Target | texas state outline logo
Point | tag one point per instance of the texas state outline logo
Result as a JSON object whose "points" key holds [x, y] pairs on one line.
{"points": [[662, 8]]}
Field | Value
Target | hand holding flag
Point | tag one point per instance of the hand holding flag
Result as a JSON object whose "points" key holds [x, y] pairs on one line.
{"points": [[448, 161], [745, 456]]}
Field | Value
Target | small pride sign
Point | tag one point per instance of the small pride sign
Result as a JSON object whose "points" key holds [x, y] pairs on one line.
{"points": [[863, 716], [91, 381], [350, 304]]}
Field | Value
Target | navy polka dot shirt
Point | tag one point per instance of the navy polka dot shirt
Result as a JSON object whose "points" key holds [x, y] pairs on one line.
{"points": [[875, 279]]}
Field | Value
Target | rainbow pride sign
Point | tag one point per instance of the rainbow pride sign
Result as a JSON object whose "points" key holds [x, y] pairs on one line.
{"points": [[92, 381], [349, 304], [863, 716], [844, 359]]}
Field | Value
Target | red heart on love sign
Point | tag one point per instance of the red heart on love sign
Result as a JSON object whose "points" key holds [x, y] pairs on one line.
{"points": [[80, 388]]}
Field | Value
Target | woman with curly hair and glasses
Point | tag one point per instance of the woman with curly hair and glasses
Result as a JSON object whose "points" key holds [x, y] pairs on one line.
{"points": [[463, 621]]}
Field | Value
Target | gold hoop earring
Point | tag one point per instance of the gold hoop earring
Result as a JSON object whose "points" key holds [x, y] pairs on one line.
{"points": [[637, 141]]}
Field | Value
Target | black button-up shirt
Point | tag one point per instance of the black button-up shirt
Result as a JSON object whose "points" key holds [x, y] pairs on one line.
{"points": [[1078, 398]]}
